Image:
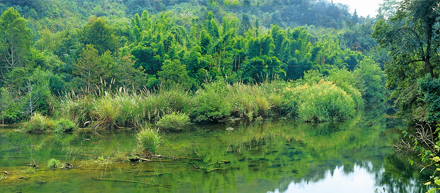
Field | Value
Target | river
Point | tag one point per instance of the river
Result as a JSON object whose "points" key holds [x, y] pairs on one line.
{"points": [[266, 156]]}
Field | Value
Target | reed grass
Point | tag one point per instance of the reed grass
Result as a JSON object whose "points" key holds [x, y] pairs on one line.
{"points": [[213, 102], [39, 123]]}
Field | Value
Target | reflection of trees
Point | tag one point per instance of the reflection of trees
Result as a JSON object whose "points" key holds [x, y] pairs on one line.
{"points": [[398, 177], [259, 157]]}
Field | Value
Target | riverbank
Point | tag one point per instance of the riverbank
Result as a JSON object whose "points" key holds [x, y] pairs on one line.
{"points": [[312, 100]]}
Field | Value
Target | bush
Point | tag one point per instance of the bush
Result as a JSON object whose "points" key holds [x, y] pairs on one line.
{"points": [[38, 123], [64, 125], [53, 163], [212, 103], [148, 140], [175, 121], [321, 102]]}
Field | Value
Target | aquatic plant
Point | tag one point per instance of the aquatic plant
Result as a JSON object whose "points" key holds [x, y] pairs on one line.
{"points": [[175, 121], [148, 140], [53, 163]]}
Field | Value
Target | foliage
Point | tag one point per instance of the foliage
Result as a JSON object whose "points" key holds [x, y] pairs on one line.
{"points": [[323, 101], [38, 123], [429, 88], [154, 50], [373, 79], [175, 121], [174, 73], [53, 163], [425, 143], [410, 36], [211, 104], [97, 33], [64, 125], [8, 107], [148, 140], [15, 41]]}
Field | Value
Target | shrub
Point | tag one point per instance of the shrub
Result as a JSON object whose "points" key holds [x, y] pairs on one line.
{"points": [[53, 163], [38, 123], [64, 125], [148, 140], [321, 102], [211, 102], [175, 121]]}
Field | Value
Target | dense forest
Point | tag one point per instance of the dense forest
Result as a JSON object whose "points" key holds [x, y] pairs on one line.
{"points": [[117, 63], [51, 48]]}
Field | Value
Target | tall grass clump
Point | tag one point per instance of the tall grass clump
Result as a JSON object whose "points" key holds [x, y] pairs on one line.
{"points": [[148, 140], [322, 102], [79, 109], [211, 103], [53, 163], [106, 111], [38, 123], [121, 109], [174, 121]]}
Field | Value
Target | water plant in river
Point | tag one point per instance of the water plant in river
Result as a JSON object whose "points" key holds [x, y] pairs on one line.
{"points": [[148, 140], [175, 121], [53, 163]]}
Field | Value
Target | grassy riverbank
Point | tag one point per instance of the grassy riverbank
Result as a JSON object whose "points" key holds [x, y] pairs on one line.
{"points": [[310, 101]]}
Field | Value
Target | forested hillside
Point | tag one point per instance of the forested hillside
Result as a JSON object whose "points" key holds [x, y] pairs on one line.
{"points": [[50, 48]]}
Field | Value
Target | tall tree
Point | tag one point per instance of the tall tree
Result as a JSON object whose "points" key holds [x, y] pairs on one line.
{"points": [[89, 67], [15, 41], [411, 35], [97, 33]]}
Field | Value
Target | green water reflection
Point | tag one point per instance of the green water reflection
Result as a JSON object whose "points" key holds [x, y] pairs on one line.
{"points": [[275, 156]]}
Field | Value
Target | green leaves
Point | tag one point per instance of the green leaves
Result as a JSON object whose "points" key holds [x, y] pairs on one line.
{"points": [[15, 41], [174, 73], [97, 33]]}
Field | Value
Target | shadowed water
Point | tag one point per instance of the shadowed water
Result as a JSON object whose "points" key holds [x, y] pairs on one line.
{"points": [[267, 156]]}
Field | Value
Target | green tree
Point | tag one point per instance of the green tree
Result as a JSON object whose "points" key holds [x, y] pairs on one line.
{"points": [[90, 68], [373, 78], [15, 41], [97, 33], [411, 36], [148, 57], [173, 72]]}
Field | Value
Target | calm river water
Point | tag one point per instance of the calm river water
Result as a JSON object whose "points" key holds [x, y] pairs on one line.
{"points": [[268, 156]]}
